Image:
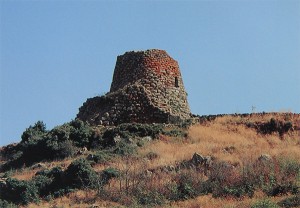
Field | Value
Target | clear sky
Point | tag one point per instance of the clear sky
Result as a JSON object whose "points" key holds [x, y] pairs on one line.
{"points": [[232, 54]]}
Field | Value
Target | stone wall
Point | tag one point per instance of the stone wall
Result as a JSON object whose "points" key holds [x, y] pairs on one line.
{"points": [[147, 87]]}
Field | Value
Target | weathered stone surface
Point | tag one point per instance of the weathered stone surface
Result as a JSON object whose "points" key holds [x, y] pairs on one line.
{"points": [[265, 158], [2, 182], [147, 88], [38, 165], [200, 160]]}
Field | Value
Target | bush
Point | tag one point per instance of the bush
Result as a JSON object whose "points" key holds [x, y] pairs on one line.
{"points": [[6, 204], [290, 168], [152, 155], [51, 182], [77, 131], [34, 132], [54, 182], [265, 203], [187, 123], [123, 148], [56, 174], [175, 133], [279, 189], [293, 201], [81, 133], [131, 130], [80, 174], [38, 144], [59, 149], [19, 192], [99, 157], [41, 150], [10, 152], [185, 185], [149, 198], [42, 184], [108, 174], [272, 126], [225, 180]]}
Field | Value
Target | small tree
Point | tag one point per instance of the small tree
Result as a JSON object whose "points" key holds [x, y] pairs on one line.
{"points": [[80, 174], [33, 132]]}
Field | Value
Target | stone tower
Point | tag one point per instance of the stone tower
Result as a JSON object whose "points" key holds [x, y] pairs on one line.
{"points": [[147, 87]]}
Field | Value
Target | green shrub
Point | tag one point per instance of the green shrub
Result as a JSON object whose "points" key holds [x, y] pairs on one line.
{"points": [[77, 131], [273, 126], [131, 130], [34, 132], [80, 174], [225, 180], [293, 201], [152, 155], [42, 184], [56, 173], [123, 148], [290, 168], [237, 191], [59, 149], [185, 185], [6, 204], [149, 197], [38, 144], [32, 151], [279, 189], [175, 132], [265, 203], [99, 156], [108, 174], [58, 184], [19, 192], [185, 188], [187, 123], [81, 133], [10, 152], [60, 133]]}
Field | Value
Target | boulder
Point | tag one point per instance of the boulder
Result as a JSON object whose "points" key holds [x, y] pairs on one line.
{"points": [[197, 159], [38, 165], [265, 158], [2, 182], [200, 160]]}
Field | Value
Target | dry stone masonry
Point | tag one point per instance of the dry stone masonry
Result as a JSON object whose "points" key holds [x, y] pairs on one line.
{"points": [[147, 87]]}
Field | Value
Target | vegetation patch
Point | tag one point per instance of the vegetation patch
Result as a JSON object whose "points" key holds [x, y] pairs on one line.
{"points": [[293, 201], [122, 165], [272, 126]]}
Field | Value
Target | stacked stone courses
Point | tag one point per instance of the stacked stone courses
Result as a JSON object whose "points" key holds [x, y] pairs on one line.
{"points": [[147, 87]]}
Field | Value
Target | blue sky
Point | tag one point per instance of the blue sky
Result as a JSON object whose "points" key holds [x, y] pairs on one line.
{"points": [[232, 54]]}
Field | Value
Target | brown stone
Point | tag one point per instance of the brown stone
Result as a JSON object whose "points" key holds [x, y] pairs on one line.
{"points": [[147, 87]]}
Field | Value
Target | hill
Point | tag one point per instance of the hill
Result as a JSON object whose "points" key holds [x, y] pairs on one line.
{"points": [[239, 160]]}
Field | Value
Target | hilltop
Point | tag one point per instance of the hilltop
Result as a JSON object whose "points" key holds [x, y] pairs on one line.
{"points": [[139, 146], [239, 160]]}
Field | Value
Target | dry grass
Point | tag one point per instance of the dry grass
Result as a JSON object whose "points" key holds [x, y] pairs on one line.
{"points": [[24, 174], [208, 201], [78, 199], [212, 140], [28, 173]]}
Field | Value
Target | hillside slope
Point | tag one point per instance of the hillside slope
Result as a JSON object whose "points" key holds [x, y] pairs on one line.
{"points": [[249, 160]]}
